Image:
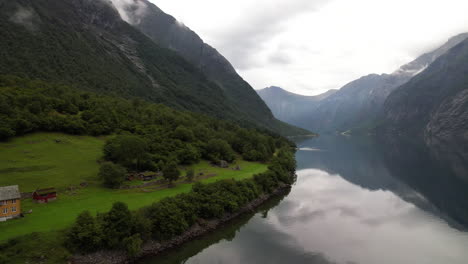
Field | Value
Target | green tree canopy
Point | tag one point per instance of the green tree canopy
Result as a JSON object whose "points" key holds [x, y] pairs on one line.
{"points": [[113, 175], [170, 172], [85, 234]]}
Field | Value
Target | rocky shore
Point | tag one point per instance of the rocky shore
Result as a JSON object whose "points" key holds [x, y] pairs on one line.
{"points": [[154, 248]]}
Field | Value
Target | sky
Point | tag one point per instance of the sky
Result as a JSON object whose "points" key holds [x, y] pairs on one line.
{"points": [[311, 46]]}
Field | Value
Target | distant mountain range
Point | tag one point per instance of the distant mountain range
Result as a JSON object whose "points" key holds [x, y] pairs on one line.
{"points": [[290, 107], [87, 44], [357, 106]]}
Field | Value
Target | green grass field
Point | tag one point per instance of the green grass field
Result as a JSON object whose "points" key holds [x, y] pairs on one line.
{"points": [[38, 161]]}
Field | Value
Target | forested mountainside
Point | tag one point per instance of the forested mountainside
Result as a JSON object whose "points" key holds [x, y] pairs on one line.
{"points": [[169, 33], [290, 107], [86, 44], [28, 106], [357, 105], [434, 106]]}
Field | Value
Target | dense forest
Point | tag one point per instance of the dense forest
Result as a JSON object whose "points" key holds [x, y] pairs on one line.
{"points": [[148, 134]]}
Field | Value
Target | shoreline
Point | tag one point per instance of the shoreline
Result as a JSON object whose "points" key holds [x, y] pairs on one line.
{"points": [[153, 248]]}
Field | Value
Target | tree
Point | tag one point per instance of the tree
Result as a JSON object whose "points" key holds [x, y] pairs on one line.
{"points": [[112, 174], [160, 165], [188, 155], [117, 225], [127, 150], [85, 234], [190, 174], [183, 133], [170, 172], [218, 149], [133, 245]]}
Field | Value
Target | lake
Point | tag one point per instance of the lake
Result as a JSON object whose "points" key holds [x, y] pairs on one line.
{"points": [[354, 201]]}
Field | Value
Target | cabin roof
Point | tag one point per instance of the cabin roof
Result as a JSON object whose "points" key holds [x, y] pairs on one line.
{"points": [[45, 191], [9, 193]]}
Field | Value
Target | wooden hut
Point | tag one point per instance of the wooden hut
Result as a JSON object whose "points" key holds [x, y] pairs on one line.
{"points": [[45, 195]]}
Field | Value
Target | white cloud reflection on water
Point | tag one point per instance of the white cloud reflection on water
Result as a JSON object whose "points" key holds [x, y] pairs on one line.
{"points": [[326, 219], [347, 223]]}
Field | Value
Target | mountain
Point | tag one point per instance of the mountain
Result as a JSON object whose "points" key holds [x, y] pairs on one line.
{"points": [[434, 106], [358, 104], [290, 107], [87, 44], [169, 33]]}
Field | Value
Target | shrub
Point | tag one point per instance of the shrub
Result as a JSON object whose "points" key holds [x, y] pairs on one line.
{"points": [[113, 175], [190, 175], [85, 234], [133, 245]]}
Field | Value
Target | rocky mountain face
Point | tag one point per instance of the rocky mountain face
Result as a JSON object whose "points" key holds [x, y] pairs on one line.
{"points": [[290, 107], [358, 104], [87, 44], [166, 31], [434, 106]]}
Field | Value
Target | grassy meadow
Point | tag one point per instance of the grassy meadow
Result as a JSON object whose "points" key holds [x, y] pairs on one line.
{"points": [[58, 160]]}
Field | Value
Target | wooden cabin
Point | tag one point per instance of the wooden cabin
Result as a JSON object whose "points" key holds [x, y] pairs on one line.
{"points": [[10, 202], [45, 195]]}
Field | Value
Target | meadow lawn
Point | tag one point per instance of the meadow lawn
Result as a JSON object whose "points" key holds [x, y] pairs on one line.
{"points": [[57, 160]]}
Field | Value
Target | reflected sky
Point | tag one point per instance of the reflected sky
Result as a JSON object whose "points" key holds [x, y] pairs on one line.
{"points": [[346, 208]]}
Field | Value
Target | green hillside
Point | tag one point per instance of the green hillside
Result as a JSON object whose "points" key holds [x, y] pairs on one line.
{"points": [[49, 160], [97, 51]]}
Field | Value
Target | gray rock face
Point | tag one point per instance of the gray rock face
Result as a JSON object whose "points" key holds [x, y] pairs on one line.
{"points": [[433, 107], [290, 107], [358, 105], [447, 133]]}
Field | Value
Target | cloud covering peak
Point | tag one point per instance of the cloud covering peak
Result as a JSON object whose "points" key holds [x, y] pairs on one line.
{"points": [[25, 17], [131, 10]]}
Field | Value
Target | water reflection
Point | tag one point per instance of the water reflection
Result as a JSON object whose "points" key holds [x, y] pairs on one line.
{"points": [[354, 202]]}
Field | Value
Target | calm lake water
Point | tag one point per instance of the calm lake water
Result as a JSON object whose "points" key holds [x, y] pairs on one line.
{"points": [[354, 201]]}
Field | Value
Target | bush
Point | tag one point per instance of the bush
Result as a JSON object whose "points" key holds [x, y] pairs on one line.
{"points": [[133, 245], [85, 234], [113, 175], [218, 149], [170, 172], [116, 225], [190, 175]]}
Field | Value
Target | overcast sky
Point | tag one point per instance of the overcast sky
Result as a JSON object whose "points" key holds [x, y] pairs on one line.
{"points": [[310, 46]]}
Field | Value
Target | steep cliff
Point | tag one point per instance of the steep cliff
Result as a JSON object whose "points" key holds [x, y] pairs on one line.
{"points": [[433, 106]]}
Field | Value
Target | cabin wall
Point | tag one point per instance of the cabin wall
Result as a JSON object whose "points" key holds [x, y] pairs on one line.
{"points": [[10, 205]]}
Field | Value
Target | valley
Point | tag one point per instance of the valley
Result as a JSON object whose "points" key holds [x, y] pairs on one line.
{"points": [[131, 132]]}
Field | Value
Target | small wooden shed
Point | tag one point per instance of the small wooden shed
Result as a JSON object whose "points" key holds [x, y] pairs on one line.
{"points": [[45, 195]]}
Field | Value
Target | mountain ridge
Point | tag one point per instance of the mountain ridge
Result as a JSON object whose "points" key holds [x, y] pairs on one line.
{"points": [[166, 31], [87, 44]]}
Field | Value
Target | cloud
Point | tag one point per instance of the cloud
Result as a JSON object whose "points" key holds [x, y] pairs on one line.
{"points": [[25, 17], [309, 46], [261, 22], [131, 10]]}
